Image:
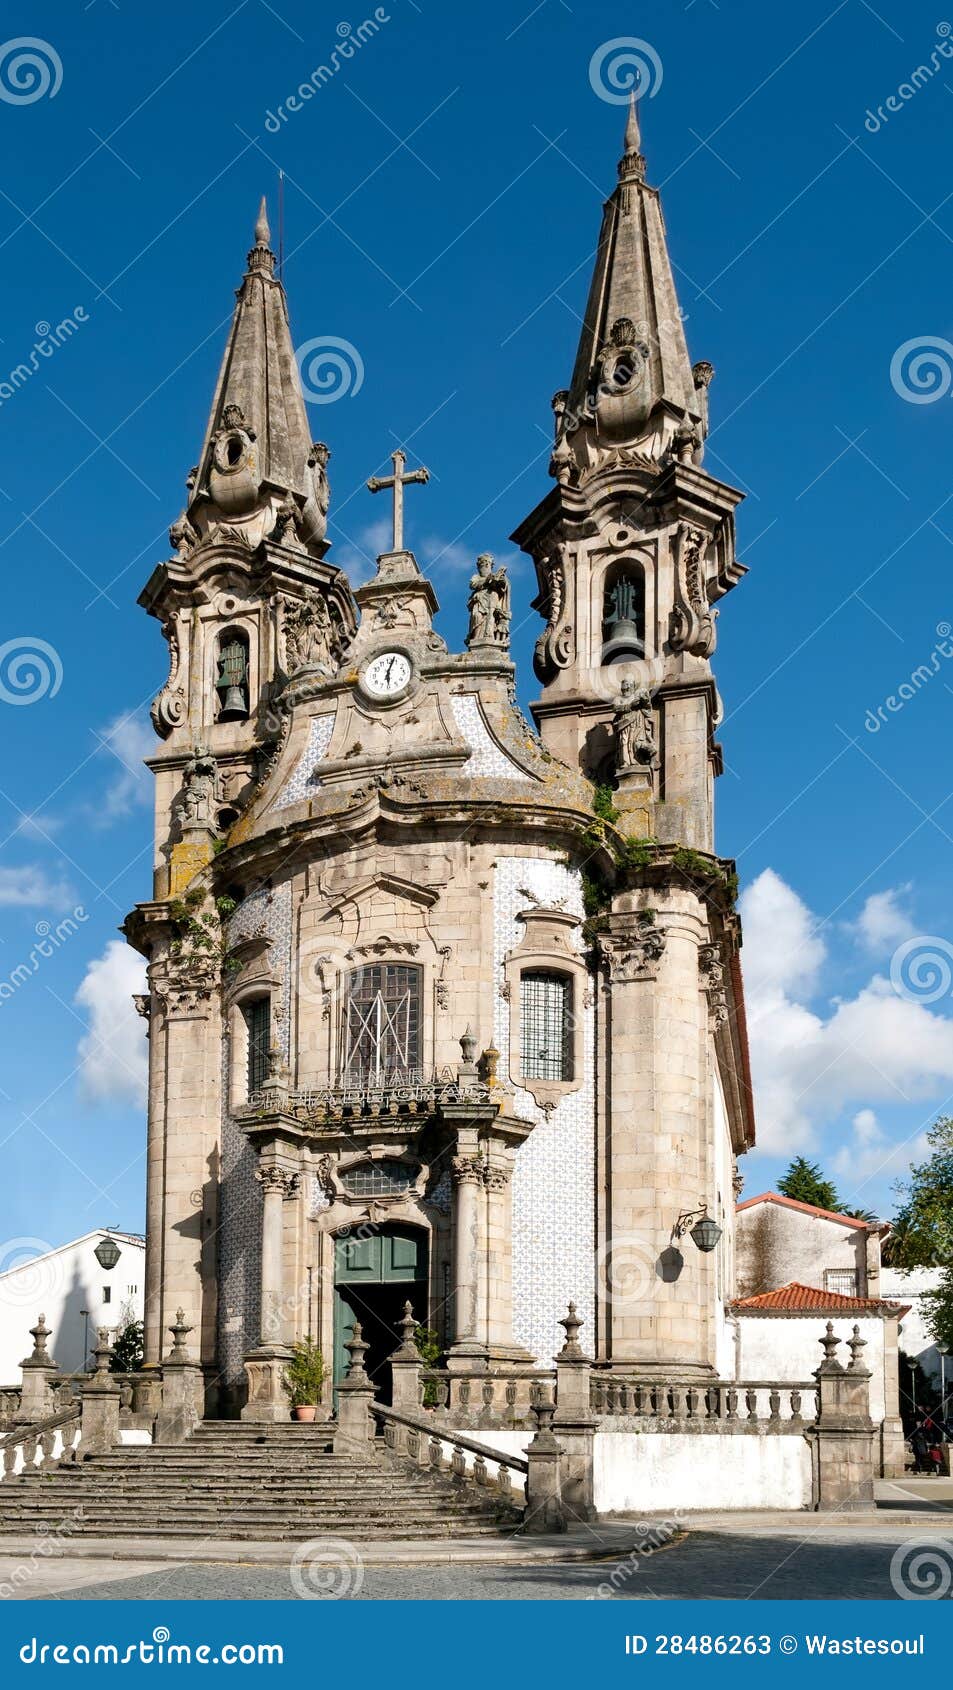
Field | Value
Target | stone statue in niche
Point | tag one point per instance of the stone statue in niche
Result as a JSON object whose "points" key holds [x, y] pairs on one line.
{"points": [[310, 635], [635, 728], [489, 605], [200, 789]]}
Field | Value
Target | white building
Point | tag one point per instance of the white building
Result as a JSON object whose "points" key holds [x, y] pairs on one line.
{"points": [[916, 1341], [76, 1293]]}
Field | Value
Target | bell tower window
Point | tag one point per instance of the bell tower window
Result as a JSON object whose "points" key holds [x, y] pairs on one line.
{"points": [[232, 677], [382, 1031], [258, 1023], [623, 614], [546, 1044]]}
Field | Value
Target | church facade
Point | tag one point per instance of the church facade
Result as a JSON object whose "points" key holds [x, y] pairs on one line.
{"points": [[444, 1004]]}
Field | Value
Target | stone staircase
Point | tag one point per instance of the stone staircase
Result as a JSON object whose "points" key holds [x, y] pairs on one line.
{"points": [[237, 1481]]}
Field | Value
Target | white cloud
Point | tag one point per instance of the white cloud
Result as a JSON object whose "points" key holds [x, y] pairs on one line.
{"points": [[358, 556], [33, 885], [782, 950], [883, 922], [810, 1064], [869, 1154], [113, 1053], [129, 739]]}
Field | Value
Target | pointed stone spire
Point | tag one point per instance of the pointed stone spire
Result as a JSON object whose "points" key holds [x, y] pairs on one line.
{"points": [[259, 473], [633, 385]]}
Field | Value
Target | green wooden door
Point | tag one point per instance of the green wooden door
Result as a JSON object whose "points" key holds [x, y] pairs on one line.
{"points": [[374, 1273]]}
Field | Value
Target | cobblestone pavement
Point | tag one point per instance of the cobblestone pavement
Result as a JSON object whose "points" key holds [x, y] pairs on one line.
{"points": [[843, 1565]]}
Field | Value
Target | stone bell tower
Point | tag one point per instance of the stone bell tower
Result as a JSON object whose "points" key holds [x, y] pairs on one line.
{"points": [[245, 596], [635, 544], [633, 547]]}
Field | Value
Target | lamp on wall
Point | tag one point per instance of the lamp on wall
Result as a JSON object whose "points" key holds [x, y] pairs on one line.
{"points": [[702, 1230], [107, 1253]]}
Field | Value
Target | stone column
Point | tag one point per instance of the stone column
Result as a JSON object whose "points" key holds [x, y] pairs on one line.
{"points": [[268, 1395], [573, 1425], [657, 1297], [99, 1413], [846, 1460], [355, 1429], [405, 1366], [155, 1164], [892, 1452], [39, 1370], [466, 1171], [182, 1403]]}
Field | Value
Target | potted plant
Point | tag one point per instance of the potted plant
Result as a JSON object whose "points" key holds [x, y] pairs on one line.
{"points": [[304, 1377]]}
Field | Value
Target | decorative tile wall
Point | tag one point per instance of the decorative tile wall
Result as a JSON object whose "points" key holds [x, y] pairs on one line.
{"points": [[554, 1182], [304, 780], [486, 760], [267, 912]]}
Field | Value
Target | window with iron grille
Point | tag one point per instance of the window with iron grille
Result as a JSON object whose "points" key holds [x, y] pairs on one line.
{"points": [[258, 1022], [382, 1035], [378, 1179], [843, 1281], [545, 1026]]}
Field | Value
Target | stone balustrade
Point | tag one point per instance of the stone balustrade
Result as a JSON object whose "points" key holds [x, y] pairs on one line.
{"points": [[721, 1406], [454, 1458], [412, 1093], [501, 1400], [47, 1444]]}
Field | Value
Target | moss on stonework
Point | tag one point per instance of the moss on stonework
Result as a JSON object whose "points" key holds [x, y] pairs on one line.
{"points": [[603, 805]]}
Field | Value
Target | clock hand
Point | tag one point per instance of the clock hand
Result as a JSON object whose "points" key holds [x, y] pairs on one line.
{"points": [[387, 672]]}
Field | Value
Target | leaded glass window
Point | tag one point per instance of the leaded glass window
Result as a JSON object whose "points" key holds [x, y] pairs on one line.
{"points": [[382, 1024], [378, 1179], [545, 1026], [258, 1023]]}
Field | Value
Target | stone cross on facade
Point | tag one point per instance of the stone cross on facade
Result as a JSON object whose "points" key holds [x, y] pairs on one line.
{"points": [[398, 481]]}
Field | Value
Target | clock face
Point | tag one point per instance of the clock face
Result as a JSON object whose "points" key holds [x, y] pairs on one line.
{"points": [[387, 675]]}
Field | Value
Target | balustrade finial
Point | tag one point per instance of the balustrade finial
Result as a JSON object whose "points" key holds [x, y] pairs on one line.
{"points": [[571, 1323]]}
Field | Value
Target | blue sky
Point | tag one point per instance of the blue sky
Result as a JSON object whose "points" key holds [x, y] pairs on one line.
{"points": [[442, 203]]}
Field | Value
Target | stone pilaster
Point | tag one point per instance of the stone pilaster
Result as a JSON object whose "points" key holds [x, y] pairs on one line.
{"points": [[268, 1394], [657, 1298], [99, 1413], [182, 1403]]}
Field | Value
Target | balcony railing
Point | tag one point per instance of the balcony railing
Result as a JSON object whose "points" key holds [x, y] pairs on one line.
{"points": [[372, 1096]]}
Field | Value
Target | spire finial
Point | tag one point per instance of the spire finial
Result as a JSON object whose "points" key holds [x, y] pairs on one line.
{"points": [[633, 134], [262, 231]]}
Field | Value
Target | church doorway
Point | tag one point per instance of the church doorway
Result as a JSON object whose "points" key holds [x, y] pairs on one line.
{"points": [[376, 1271]]}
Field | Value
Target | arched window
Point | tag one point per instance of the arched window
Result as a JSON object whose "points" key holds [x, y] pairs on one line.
{"points": [[257, 1015], [231, 682], [623, 613], [546, 1043]]}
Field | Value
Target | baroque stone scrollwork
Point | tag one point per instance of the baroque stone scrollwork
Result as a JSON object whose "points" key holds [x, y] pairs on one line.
{"points": [[168, 707], [632, 952], [489, 605], [554, 648], [692, 621], [712, 970]]}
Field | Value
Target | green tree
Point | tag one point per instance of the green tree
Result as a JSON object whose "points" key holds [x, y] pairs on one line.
{"points": [[805, 1183], [127, 1350], [923, 1226], [922, 1233]]}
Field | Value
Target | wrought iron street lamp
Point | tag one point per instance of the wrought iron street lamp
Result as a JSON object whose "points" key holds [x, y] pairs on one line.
{"points": [[107, 1253], [702, 1230]]}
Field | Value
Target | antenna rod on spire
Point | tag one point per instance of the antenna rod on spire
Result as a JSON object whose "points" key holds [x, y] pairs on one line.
{"points": [[281, 225]]}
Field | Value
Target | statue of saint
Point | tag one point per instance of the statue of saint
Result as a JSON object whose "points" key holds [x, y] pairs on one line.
{"points": [[200, 789], [489, 605], [309, 633], [635, 728]]}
